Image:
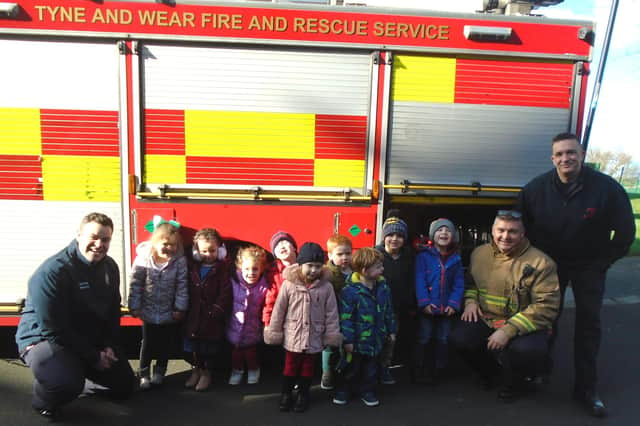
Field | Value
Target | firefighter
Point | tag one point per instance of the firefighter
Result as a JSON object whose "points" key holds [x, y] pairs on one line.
{"points": [[570, 213], [69, 329], [510, 303]]}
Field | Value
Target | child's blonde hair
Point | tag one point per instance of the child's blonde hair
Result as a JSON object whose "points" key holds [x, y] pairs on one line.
{"points": [[337, 240], [170, 232], [254, 253], [365, 258]]}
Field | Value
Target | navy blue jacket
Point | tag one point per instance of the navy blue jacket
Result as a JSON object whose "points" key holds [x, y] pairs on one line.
{"points": [[74, 304], [575, 229], [366, 316]]}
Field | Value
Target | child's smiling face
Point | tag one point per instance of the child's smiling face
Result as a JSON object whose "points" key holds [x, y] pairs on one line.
{"points": [[251, 270], [284, 251], [443, 237]]}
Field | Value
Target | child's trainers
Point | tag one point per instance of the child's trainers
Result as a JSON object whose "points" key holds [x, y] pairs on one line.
{"points": [[341, 398], [253, 376], [385, 376], [145, 383], [326, 382], [236, 377], [157, 379], [370, 399]]}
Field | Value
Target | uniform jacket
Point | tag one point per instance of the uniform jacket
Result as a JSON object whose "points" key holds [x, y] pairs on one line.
{"points": [[245, 322], [520, 290], [575, 229], [275, 278], [399, 276], [305, 317], [366, 316], [157, 293], [439, 283], [210, 302], [74, 304]]}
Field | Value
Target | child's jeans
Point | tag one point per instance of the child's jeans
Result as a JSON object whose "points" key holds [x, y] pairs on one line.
{"points": [[360, 376], [386, 355], [436, 326], [248, 354], [158, 341]]}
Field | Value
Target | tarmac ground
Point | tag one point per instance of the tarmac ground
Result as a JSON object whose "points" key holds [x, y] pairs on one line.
{"points": [[459, 400]]}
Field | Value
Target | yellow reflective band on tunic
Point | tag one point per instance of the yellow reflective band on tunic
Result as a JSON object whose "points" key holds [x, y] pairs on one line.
{"points": [[249, 134], [81, 178], [495, 300], [523, 322], [471, 293], [20, 131], [342, 173], [165, 168], [423, 79]]}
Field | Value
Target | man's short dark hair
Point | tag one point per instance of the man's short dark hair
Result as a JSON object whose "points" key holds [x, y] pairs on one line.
{"points": [[100, 218], [565, 136]]}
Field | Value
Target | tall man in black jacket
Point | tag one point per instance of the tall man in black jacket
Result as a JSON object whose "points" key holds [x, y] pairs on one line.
{"points": [[584, 221]]}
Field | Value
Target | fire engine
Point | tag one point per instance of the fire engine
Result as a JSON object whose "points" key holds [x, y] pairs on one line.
{"points": [[254, 117]]}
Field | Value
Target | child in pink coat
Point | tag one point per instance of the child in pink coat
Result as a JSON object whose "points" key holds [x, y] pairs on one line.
{"points": [[304, 321]]}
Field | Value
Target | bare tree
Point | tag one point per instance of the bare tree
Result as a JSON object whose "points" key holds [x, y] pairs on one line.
{"points": [[618, 165]]}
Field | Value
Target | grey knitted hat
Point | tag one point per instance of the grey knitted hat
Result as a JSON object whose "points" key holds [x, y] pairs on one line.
{"points": [[438, 223]]}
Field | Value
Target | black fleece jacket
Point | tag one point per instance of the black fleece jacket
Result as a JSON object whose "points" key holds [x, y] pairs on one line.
{"points": [[575, 225]]}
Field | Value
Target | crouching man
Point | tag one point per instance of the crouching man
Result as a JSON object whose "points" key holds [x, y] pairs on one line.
{"points": [[511, 301]]}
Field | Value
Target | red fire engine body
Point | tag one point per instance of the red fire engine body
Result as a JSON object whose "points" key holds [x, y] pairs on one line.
{"points": [[257, 117]]}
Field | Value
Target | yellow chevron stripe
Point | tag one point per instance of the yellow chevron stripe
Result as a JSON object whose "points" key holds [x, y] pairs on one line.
{"points": [[341, 173], [165, 169], [20, 131], [249, 134], [81, 178], [524, 322], [423, 79]]}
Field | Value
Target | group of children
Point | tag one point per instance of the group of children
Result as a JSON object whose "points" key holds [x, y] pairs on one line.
{"points": [[350, 309]]}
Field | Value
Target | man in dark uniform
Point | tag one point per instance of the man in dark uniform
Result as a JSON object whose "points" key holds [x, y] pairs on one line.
{"points": [[584, 221], [70, 323]]}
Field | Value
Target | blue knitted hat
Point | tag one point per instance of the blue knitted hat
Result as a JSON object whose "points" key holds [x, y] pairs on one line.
{"points": [[395, 225]]}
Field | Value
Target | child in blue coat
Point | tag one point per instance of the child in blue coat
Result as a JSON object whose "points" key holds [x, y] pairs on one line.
{"points": [[439, 290]]}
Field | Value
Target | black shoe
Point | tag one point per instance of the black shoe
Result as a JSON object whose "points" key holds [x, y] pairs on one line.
{"points": [[286, 401], [48, 413], [488, 382], [302, 402], [508, 394], [592, 402]]}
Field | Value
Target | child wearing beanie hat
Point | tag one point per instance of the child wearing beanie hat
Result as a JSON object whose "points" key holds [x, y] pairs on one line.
{"points": [[285, 250], [307, 296], [439, 291], [399, 273]]}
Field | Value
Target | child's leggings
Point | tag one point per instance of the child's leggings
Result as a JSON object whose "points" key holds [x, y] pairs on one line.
{"points": [[158, 340], [299, 364], [248, 354]]}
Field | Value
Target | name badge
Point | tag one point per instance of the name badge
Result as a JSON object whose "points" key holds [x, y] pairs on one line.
{"points": [[84, 285]]}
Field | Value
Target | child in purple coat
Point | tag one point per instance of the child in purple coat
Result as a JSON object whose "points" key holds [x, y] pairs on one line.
{"points": [[244, 331]]}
